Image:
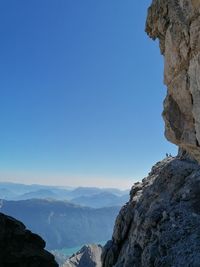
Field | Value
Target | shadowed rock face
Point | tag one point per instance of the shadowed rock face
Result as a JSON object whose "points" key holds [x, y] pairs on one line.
{"points": [[21, 248], [159, 226], [176, 23]]}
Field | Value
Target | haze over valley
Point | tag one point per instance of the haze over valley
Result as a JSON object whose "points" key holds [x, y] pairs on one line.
{"points": [[64, 217]]}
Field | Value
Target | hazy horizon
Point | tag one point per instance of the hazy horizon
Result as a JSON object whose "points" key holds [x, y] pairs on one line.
{"points": [[81, 93], [70, 181]]}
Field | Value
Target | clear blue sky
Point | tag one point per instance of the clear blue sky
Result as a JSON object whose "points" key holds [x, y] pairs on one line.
{"points": [[81, 92]]}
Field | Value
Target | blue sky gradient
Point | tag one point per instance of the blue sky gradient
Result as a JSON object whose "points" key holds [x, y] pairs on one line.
{"points": [[81, 93]]}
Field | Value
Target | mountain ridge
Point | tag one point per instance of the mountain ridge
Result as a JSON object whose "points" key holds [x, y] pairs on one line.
{"points": [[63, 224]]}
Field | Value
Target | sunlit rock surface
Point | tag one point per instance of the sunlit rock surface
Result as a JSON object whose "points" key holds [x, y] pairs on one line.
{"points": [[159, 226], [177, 26], [88, 256]]}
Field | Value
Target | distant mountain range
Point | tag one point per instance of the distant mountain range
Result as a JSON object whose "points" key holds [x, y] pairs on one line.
{"points": [[15, 191], [104, 199], [85, 196], [63, 224], [64, 216]]}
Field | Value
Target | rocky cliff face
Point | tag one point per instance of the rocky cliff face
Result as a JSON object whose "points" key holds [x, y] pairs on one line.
{"points": [[176, 23], [88, 256], [21, 248], [159, 226]]}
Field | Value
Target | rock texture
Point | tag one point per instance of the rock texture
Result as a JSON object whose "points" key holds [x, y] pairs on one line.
{"points": [[159, 226], [21, 248], [176, 23], [88, 256]]}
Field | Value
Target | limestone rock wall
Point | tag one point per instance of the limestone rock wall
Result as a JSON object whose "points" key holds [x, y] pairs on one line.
{"points": [[176, 23], [159, 226]]}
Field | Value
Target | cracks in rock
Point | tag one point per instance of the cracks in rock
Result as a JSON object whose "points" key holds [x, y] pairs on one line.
{"points": [[178, 12], [197, 142], [192, 101], [120, 245], [115, 247], [194, 122]]}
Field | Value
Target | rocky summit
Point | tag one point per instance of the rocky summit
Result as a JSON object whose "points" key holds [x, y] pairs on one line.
{"points": [[88, 256], [176, 24], [21, 248]]}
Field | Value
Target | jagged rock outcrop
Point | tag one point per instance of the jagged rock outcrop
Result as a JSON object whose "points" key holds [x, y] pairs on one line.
{"points": [[21, 248], [159, 226], [88, 256], [176, 23]]}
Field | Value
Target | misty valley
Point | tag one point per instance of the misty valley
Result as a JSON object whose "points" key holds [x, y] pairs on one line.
{"points": [[66, 218]]}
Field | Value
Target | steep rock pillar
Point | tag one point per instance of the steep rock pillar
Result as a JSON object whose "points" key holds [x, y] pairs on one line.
{"points": [[176, 23]]}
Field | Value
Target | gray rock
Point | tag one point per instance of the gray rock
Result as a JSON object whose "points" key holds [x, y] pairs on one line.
{"points": [[159, 226], [21, 248], [88, 256], [177, 26]]}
